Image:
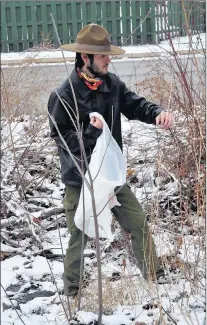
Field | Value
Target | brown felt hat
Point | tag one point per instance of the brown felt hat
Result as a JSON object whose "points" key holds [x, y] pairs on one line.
{"points": [[93, 39]]}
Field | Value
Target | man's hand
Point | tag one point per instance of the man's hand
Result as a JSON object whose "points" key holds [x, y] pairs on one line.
{"points": [[165, 120], [95, 121]]}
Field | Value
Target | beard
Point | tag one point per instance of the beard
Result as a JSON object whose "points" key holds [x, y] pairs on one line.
{"points": [[95, 70]]}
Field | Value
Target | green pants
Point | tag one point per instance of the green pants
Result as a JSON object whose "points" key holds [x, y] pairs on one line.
{"points": [[131, 218]]}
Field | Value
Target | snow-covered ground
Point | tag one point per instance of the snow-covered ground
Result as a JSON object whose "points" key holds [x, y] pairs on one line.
{"points": [[180, 44], [34, 239]]}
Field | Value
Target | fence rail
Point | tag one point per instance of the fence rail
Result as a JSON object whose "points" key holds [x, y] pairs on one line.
{"points": [[26, 24]]}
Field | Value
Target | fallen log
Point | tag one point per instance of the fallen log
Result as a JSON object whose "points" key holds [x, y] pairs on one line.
{"points": [[9, 241], [51, 212]]}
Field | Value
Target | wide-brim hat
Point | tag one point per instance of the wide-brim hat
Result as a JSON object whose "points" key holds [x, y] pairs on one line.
{"points": [[93, 39]]}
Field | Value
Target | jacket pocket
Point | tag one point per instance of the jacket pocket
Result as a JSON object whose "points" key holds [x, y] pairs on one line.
{"points": [[72, 195], [70, 209], [70, 203], [68, 206]]}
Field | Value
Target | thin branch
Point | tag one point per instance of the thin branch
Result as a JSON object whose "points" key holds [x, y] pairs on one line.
{"points": [[13, 305], [82, 247], [110, 138], [174, 322], [66, 67], [9, 241], [51, 271], [70, 313], [89, 184], [68, 150], [22, 194], [137, 27]]}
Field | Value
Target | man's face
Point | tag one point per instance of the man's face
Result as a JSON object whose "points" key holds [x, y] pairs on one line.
{"points": [[100, 65]]}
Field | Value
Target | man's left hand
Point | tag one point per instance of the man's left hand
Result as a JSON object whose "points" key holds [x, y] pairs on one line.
{"points": [[165, 120]]}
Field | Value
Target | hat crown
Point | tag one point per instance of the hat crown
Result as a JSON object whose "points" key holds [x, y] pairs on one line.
{"points": [[93, 34], [93, 39]]}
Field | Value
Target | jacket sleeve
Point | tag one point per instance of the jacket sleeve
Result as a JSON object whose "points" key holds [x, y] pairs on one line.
{"points": [[135, 107], [66, 127]]}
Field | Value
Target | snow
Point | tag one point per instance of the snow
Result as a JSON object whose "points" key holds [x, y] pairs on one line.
{"points": [[55, 245], [180, 43], [11, 318], [162, 242], [6, 248], [8, 272], [41, 267], [87, 317], [107, 320], [176, 298], [190, 255], [124, 315]]}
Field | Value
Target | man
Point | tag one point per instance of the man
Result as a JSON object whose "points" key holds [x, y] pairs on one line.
{"points": [[97, 90]]}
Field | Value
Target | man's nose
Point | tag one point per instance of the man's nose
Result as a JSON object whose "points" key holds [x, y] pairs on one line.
{"points": [[108, 59]]}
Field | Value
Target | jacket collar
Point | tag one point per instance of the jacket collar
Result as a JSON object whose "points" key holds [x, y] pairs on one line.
{"points": [[81, 87]]}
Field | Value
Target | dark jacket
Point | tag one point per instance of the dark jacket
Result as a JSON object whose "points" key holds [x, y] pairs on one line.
{"points": [[110, 100]]}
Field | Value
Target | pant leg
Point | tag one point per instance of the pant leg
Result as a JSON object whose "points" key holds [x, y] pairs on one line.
{"points": [[73, 253], [132, 219]]}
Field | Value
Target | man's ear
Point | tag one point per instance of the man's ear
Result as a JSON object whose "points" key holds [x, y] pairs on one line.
{"points": [[84, 57]]}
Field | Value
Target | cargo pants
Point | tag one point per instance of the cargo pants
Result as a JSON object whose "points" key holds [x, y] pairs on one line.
{"points": [[131, 218]]}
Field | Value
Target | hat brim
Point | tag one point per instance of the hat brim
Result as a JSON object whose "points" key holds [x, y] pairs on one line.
{"points": [[115, 50]]}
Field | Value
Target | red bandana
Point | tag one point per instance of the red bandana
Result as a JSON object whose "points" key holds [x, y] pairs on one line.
{"points": [[91, 83]]}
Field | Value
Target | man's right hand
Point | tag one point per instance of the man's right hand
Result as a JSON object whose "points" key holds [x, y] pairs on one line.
{"points": [[95, 121]]}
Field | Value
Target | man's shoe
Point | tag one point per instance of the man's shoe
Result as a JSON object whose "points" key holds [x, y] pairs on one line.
{"points": [[69, 291]]}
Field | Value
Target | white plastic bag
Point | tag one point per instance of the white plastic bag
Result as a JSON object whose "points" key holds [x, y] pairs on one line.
{"points": [[108, 170]]}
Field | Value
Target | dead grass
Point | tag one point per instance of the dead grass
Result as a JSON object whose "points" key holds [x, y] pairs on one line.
{"points": [[22, 91]]}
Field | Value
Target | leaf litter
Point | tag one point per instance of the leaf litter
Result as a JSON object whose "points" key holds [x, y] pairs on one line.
{"points": [[32, 218]]}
